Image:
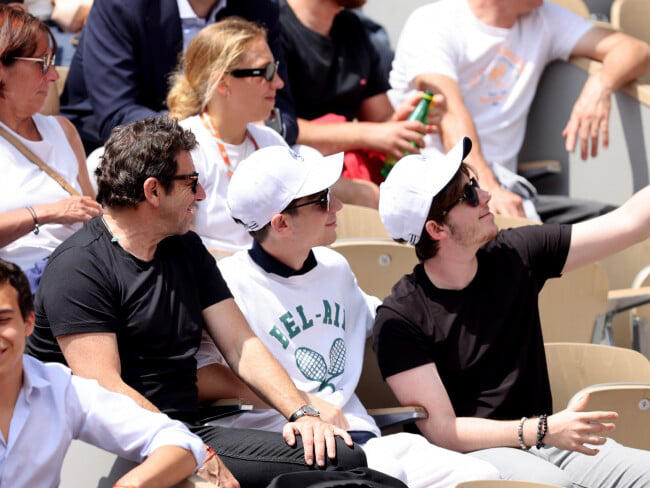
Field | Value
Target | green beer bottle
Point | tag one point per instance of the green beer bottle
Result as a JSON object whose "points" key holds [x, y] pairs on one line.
{"points": [[421, 113]]}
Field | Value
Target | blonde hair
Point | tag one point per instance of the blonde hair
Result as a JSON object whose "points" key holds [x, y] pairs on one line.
{"points": [[215, 51]]}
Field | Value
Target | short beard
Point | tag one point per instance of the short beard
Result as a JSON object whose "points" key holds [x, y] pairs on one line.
{"points": [[351, 3]]}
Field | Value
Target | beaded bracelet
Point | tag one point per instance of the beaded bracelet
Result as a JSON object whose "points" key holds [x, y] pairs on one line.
{"points": [[542, 428], [35, 218], [520, 434]]}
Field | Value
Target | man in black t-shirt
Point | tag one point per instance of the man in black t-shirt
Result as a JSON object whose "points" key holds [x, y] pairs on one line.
{"points": [[461, 335], [333, 68], [124, 301]]}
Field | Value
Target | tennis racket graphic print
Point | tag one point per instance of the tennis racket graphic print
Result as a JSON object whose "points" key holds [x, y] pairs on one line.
{"points": [[314, 367]]}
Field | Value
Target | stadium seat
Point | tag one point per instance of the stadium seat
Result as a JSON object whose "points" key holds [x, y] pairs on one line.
{"points": [[631, 17]]}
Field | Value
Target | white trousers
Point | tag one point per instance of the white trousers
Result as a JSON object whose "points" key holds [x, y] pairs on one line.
{"points": [[420, 464]]}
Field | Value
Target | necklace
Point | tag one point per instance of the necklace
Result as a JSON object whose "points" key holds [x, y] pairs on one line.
{"points": [[114, 239]]}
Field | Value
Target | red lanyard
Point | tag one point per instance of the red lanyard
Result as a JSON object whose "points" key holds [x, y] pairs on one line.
{"points": [[207, 122]]}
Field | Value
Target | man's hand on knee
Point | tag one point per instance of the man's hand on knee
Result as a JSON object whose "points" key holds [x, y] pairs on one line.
{"points": [[317, 438]]}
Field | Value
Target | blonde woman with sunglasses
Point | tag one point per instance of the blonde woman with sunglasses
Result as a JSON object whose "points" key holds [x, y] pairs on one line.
{"points": [[226, 83], [36, 212]]}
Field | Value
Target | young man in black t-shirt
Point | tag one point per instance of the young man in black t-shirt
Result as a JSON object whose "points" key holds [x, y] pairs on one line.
{"points": [[461, 335], [125, 299]]}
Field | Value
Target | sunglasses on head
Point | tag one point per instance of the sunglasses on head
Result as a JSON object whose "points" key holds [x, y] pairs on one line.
{"points": [[193, 177], [46, 61], [323, 200], [267, 71], [470, 195]]}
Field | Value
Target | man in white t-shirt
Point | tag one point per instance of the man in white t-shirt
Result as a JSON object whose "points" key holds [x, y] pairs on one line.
{"points": [[303, 301], [486, 57]]}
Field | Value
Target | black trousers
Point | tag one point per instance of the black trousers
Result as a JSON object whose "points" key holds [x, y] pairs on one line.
{"points": [[255, 457]]}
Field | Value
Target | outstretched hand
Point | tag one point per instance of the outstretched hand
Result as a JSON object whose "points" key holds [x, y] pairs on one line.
{"points": [[214, 471], [589, 118], [317, 438], [571, 428]]}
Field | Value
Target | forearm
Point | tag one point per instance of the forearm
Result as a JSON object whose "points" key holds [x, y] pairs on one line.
{"points": [[16, 223], [217, 381], [165, 466], [264, 375], [626, 62], [457, 122], [465, 434], [330, 138]]}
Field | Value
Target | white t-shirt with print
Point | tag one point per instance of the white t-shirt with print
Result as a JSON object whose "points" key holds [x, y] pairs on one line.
{"points": [[314, 324], [496, 69], [213, 222]]}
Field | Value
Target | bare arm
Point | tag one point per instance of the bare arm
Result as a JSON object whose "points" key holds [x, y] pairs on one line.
{"points": [[568, 429], [166, 465], [456, 123], [75, 143], [253, 363], [624, 59], [95, 355], [599, 237], [375, 131]]}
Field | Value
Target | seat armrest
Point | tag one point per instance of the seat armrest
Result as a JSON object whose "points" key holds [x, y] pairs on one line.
{"points": [[387, 417], [223, 408], [533, 169]]}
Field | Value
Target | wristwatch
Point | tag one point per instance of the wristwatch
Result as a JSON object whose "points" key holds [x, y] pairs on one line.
{"points": [[302, 411]]}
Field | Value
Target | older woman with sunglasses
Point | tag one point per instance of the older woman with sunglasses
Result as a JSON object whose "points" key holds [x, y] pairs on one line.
{"points": [[36, 212], [226, 83]]}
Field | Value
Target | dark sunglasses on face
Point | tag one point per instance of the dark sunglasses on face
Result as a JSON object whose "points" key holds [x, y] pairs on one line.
{"points": [[46, 61], [470, 195], [267, 71], [193, 177], [323, 201]]}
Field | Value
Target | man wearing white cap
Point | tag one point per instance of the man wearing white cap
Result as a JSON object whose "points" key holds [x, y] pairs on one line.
{"points": [[461, 335], [303, 301]]}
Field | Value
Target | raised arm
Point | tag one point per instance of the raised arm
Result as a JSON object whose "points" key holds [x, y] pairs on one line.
{"points": [[254, 364], [95, 355], [599, 237], [568, 429], [456, 123], [624, 59]]}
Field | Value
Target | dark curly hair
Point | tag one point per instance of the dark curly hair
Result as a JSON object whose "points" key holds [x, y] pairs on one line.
{"points": [[19, 33], [12, 274], [143, 149]]}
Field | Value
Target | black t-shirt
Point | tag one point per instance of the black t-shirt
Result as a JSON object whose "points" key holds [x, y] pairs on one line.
{"points": [[154, 308], [332, 74], [486, 339]]}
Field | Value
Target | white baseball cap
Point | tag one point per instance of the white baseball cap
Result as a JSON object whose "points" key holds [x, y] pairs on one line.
{"points": [[406, 195], [270, 178]]}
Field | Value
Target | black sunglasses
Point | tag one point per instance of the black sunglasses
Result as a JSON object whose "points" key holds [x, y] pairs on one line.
{"points": [[46, 61], [470, 195], [193, 177], [323, 201], [267, 71]]}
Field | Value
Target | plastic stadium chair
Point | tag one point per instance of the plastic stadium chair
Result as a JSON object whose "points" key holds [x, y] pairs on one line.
{"points": [[574, 366], [631, 17]]}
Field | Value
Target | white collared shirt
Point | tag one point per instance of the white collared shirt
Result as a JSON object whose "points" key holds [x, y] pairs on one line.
{"points": [[191, 24], [54, 407]]}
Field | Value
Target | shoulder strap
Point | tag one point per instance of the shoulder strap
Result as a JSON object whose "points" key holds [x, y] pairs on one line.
{"points": [[38, 162]]}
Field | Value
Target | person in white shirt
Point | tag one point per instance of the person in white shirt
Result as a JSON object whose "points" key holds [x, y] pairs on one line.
{"points": [[227, 81], [486, 57], [303, 301], [43, 407]]}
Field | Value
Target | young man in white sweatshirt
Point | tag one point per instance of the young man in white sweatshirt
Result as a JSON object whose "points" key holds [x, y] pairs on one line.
{"points": [[304, 303]]}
